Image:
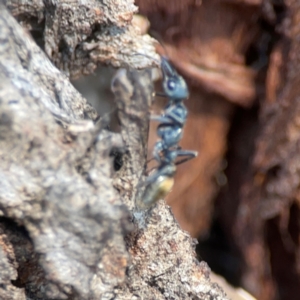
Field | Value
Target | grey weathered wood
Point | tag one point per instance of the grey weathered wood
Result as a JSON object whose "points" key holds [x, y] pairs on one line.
{"points": [[77, 35], [65, 231]]}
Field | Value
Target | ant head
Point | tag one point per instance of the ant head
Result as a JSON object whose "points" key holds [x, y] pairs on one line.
{"points": [[174, 85]]}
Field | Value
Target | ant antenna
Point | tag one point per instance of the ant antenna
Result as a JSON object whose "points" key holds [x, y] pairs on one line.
{"points": [[157, 36]]}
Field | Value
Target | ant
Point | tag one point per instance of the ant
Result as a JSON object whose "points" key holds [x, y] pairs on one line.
{"points": [[170, 131]]}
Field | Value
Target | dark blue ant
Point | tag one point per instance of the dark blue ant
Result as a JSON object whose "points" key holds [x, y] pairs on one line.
{"points": [[170, 131]]}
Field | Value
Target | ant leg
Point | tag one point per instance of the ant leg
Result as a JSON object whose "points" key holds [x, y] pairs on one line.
{"points": [[190, 155], [161, 119], [169, 118], [158, 148], [150, 159], [161, 94], [177, 113]]}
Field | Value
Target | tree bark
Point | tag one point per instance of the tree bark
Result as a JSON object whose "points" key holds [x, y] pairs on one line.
{"points": [[68, 226], [270, 192]]}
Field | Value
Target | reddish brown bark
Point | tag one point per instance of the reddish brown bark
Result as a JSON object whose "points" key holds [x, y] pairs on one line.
{"points": [[233, 53]]}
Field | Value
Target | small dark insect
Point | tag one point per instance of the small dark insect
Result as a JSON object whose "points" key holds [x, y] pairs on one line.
{"points": [[170, 131], [117, 154]]}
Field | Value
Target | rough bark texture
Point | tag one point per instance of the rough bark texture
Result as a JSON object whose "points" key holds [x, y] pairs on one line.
{"points": [[77, 35], [270, 240], [240, 53], [68, 227], [208, 42]]}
